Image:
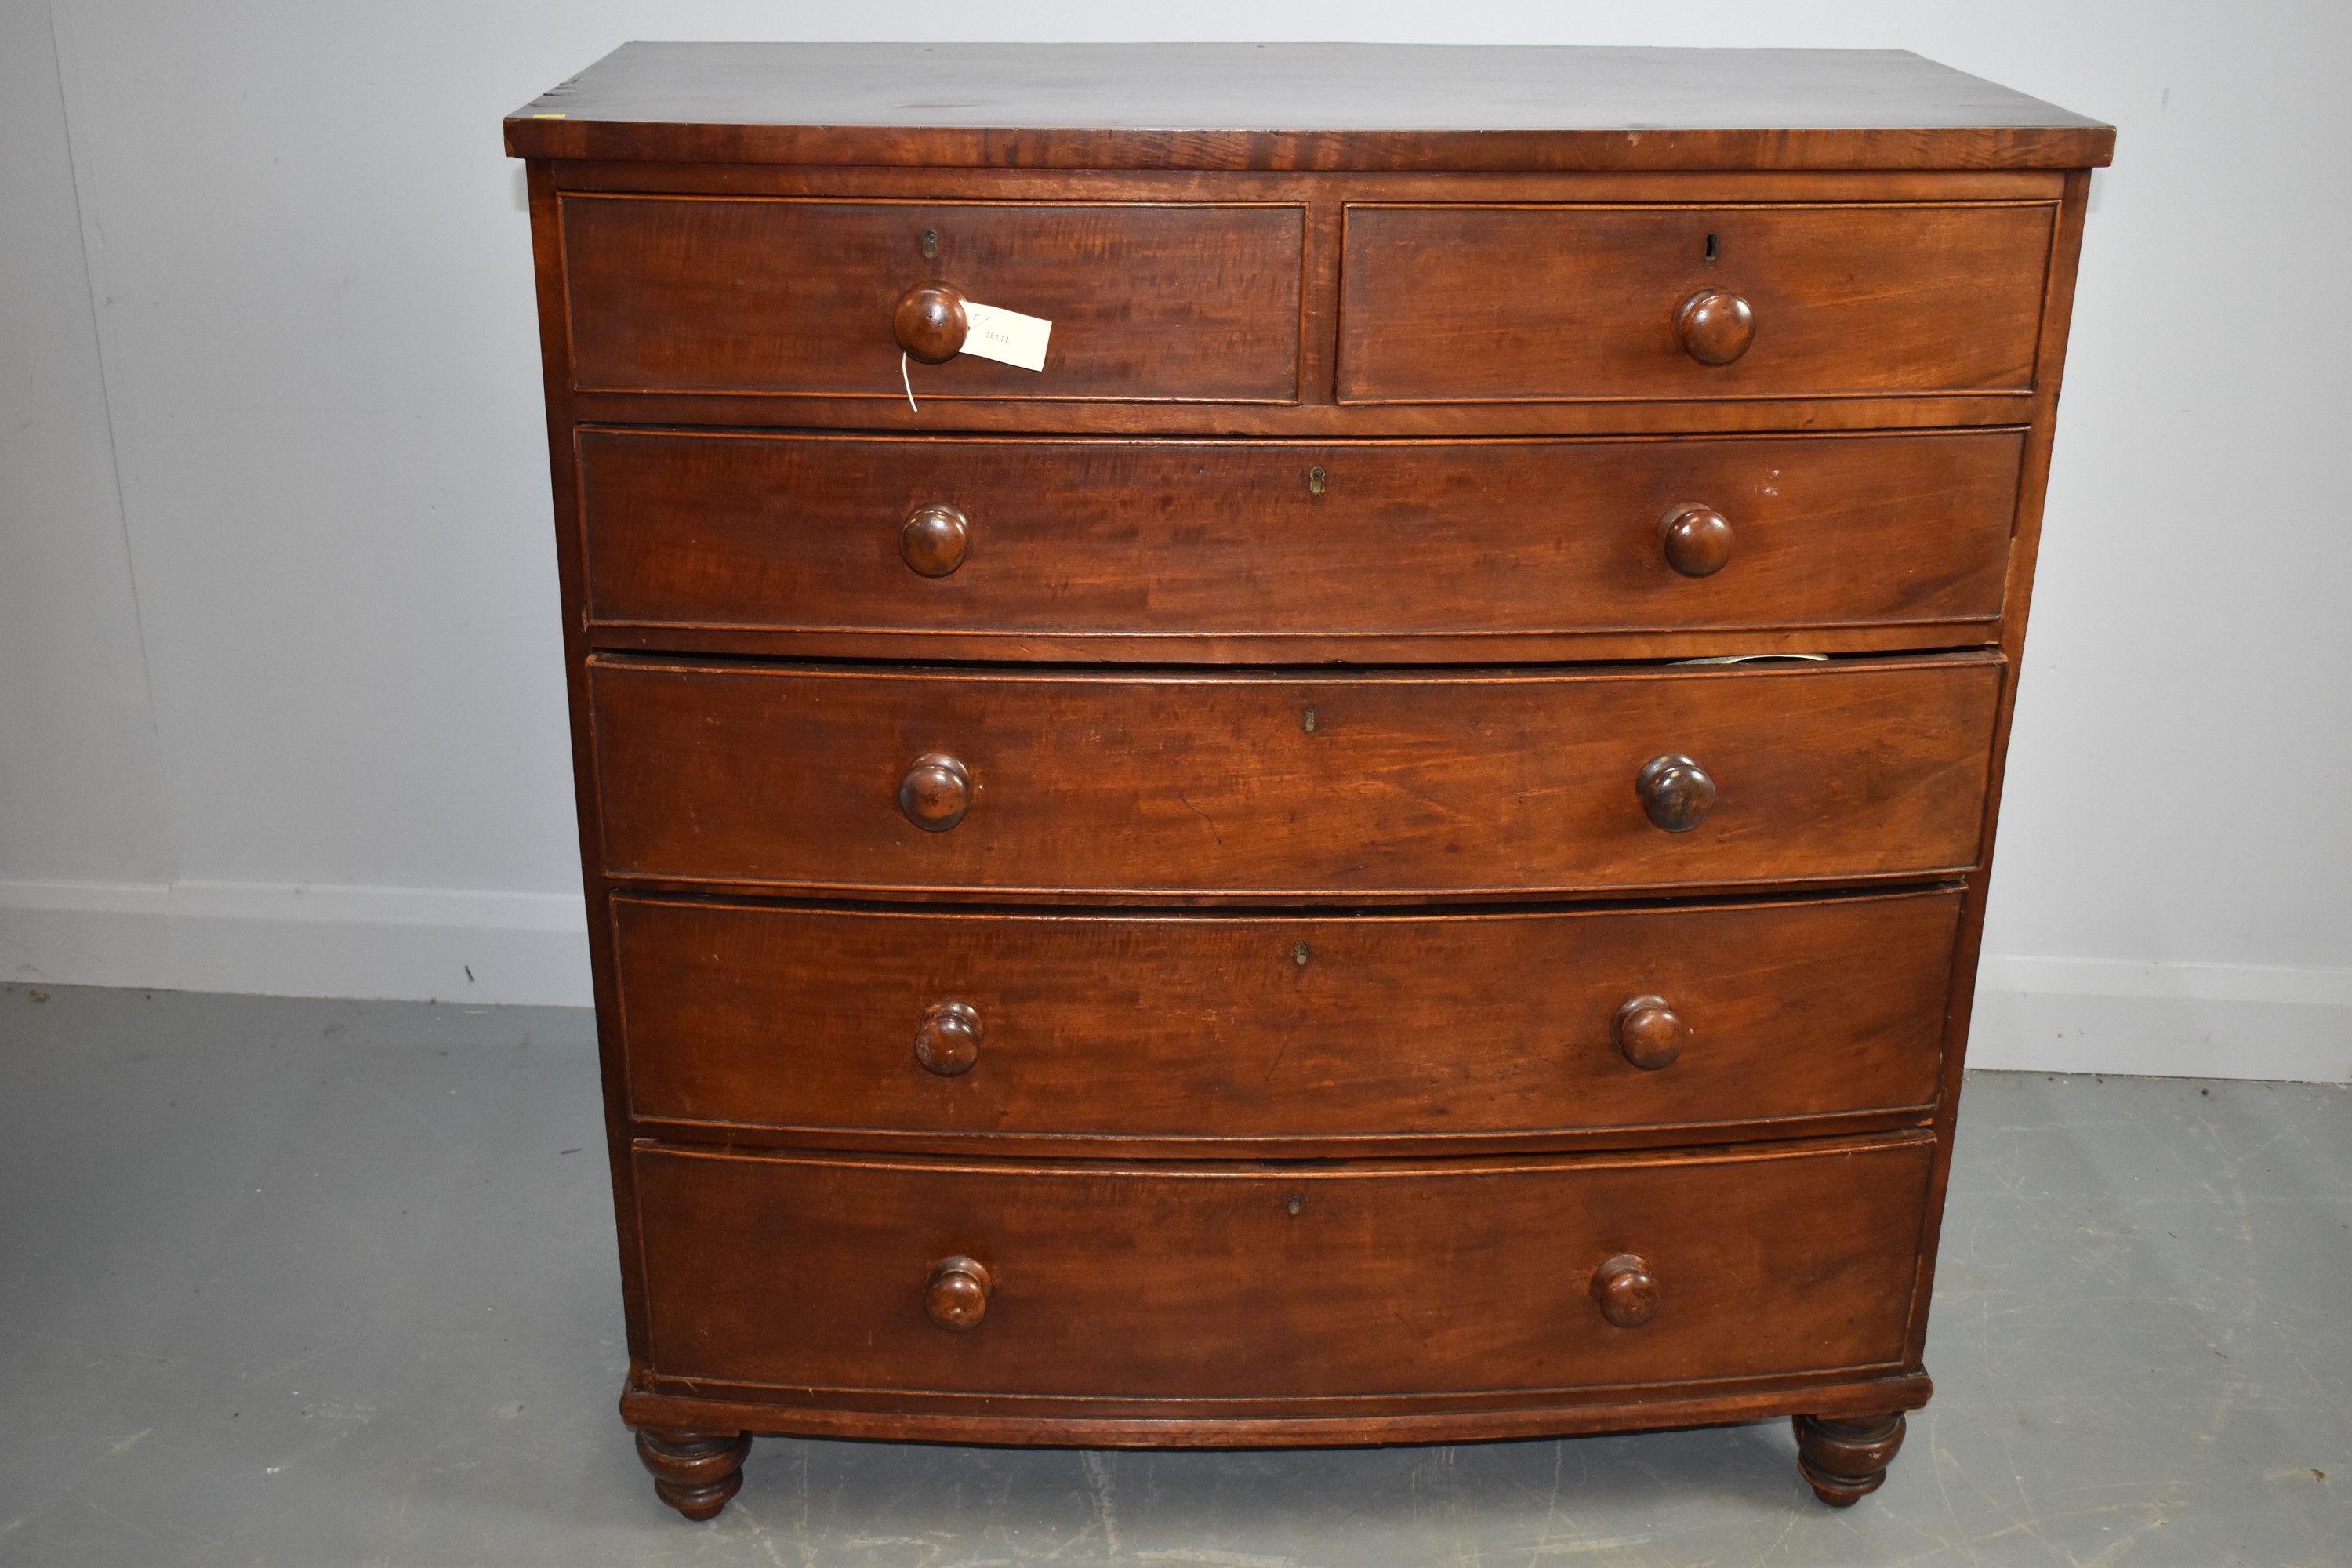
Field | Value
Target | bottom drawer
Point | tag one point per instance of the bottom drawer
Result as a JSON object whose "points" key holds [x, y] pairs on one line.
{"points": [[1258, 1283]]}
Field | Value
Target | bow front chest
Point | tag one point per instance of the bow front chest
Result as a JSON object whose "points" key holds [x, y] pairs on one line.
{"points": [[1288, 744]]}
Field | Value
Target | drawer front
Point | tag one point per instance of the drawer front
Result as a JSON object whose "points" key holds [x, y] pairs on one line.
{"points": [[1526, 303], [1281, 1027], [787, 296], [1287, 786], [1250, 1283], [1174, 537]]}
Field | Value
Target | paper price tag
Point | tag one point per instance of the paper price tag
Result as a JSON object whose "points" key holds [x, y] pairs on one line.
{"points": [[1006, 336]]}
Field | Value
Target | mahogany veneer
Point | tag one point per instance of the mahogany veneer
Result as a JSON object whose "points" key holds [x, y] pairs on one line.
{"points": [[1529, 303], [1304, 1290], [1094, 1033], [1300, 787], [707, 295], [1901, 541], [1224, 891]]}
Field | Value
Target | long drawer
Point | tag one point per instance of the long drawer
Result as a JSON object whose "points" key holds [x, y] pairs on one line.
{"points": [[790, 296], [1167, 537], [1242, 1282], [1534, 303], [1286, 785], [931, 1029]]}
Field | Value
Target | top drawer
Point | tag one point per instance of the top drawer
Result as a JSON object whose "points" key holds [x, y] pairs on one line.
{"points": [[1572, 303], [788, 296]]}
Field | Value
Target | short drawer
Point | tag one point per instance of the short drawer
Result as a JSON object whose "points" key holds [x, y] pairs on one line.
{"points": [[1287, 539], [1289, 786], [1538, 303], [1235, 1030], [771, 295], [1249, 1283]]}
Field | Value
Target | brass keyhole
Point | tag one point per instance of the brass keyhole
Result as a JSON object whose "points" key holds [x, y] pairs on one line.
{"points": [[1300, 955], [1308, 721], [931, 242], [1316, 483]]}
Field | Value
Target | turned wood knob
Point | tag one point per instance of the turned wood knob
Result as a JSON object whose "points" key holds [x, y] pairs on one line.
{"points": [[1697, 541], [1715, 326], [929, 322], [1625, 1291], [947, 1041], [956, 1296], [934, 541], [1649, 1032], [1675, 792], [936, 791]]}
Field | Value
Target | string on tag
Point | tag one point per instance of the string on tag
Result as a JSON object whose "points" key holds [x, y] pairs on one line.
{"points": [[903, 381]]}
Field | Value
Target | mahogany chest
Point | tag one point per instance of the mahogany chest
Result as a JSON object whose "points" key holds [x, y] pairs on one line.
{"points": [[1288, 744]]}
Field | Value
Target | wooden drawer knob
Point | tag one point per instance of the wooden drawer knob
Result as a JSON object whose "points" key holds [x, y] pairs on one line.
{"points": [[956, 1296], [929, 322], [1649, 1032], [1675, 792], [1715, 326], [947, 1042], [934, 541], [936, 791], [1625, 1291], [1697, 541]]}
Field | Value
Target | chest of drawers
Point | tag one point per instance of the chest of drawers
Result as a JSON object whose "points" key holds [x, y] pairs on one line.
{"points": [[1390, 848]]}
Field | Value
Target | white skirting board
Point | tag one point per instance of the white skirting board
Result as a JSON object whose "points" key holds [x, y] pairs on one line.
{"points": [[2162, 1020], [2033, 1014], [403, 944]]}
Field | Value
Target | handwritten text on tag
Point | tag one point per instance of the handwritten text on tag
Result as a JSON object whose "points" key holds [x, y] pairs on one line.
{"points": [[1006, 336]]}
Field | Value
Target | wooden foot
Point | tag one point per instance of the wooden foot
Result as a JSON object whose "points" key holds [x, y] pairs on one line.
{"points": [[1844, 1461], [694, 1472]]}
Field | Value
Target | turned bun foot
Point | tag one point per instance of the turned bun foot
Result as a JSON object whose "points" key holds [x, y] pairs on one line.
{"points": [[695, 1472], [1844, 1461]]}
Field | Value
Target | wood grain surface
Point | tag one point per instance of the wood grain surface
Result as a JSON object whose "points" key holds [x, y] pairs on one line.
{"points": [[1295, 106], [1031, 1422], [1531, 304], [1899, 534], [1292, 785], [783, 297], [1238, 1282], [1229, 1030]]}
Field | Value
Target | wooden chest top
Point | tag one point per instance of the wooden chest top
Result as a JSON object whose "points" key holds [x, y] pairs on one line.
{"points": [[1297, 106]]}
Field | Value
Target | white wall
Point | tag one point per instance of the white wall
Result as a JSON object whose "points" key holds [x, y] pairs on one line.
{"points": [[280, 690]]}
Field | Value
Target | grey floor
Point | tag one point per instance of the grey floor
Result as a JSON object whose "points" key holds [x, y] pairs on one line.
{"points": [[318, 1283]]}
